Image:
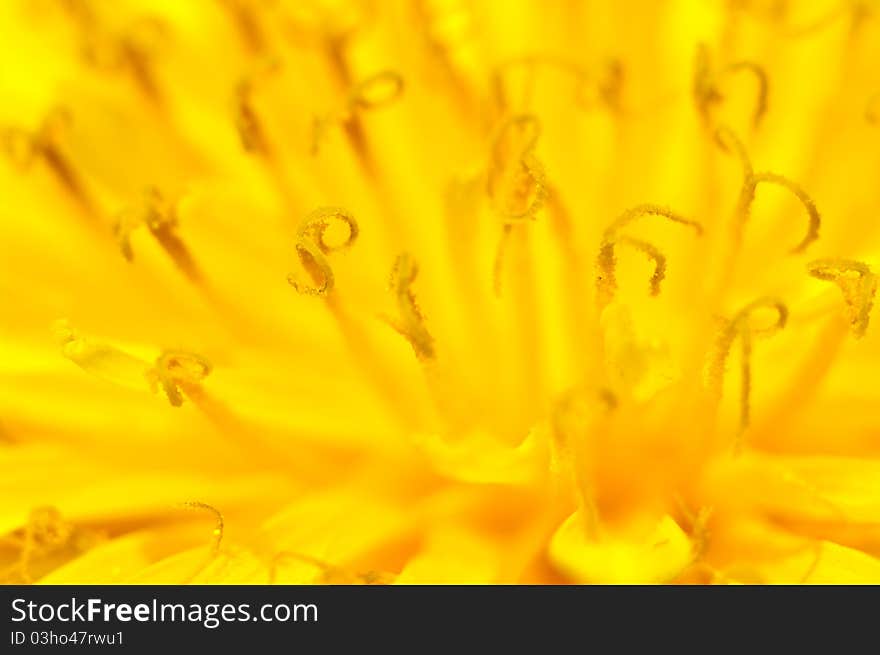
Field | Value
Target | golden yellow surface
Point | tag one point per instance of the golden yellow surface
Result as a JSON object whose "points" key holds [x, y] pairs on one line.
{"points": [[439, 291]]}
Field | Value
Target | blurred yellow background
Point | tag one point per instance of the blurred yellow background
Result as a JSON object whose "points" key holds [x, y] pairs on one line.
{"points": [[439, 291]]}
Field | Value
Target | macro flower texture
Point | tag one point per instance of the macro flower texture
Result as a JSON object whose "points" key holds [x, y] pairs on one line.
{"points": [[440, 292]]}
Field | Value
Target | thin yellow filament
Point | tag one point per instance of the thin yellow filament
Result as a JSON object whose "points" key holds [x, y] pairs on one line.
{"points": [[23, 147], [698, 530], [374, 92], [412, 321], [250, 128], [45, 531], [515, 180], [857, 283], [312, 248], [132, 50], [516, 183], [815, 220], [606, 279], [176, 371], [571, 421], [740, 327], [728, 141], [707, 93], [160, 216], [244, 14], [219, 525]]}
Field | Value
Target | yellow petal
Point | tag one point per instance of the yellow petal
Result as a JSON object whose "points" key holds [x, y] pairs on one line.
{"points": [[657, 558]]}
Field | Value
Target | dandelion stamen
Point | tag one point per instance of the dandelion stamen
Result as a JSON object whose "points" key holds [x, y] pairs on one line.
{"points": [[374, 92], [244, 14], [606, 279], [707, 93], [857, 283], [515, 181], [412, 321], [45, 531], [250, 127], [219, 525], [728, 141], [815, 220], [132, 50], [312, 248], [740, 327], [160, 216], [571, 421], [177, 372], [23, 147], [654, 254]]}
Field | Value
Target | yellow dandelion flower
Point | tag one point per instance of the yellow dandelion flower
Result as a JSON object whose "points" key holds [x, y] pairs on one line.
{"points": [[629, 335]]}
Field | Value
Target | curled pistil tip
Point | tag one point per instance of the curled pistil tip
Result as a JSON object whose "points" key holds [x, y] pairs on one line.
{"points": [[44, 534], [741, 327], [219, 524], [412, 322], [176, 373], [151, 211], [516, 182], [707, 80], [857, 283], [374, 92], [312, 249], [606, 279], [729, 142]]}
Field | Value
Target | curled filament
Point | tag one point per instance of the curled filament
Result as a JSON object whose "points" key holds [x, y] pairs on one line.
{"points": [[152, 212], [706, 84], [217, 532], [729, 142], [176, 371], [160, 216], [312, 249], [857, 283], [374, 92], [412, 322], [606, 279], [516, 183], [740, 327], [45, 533]]}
